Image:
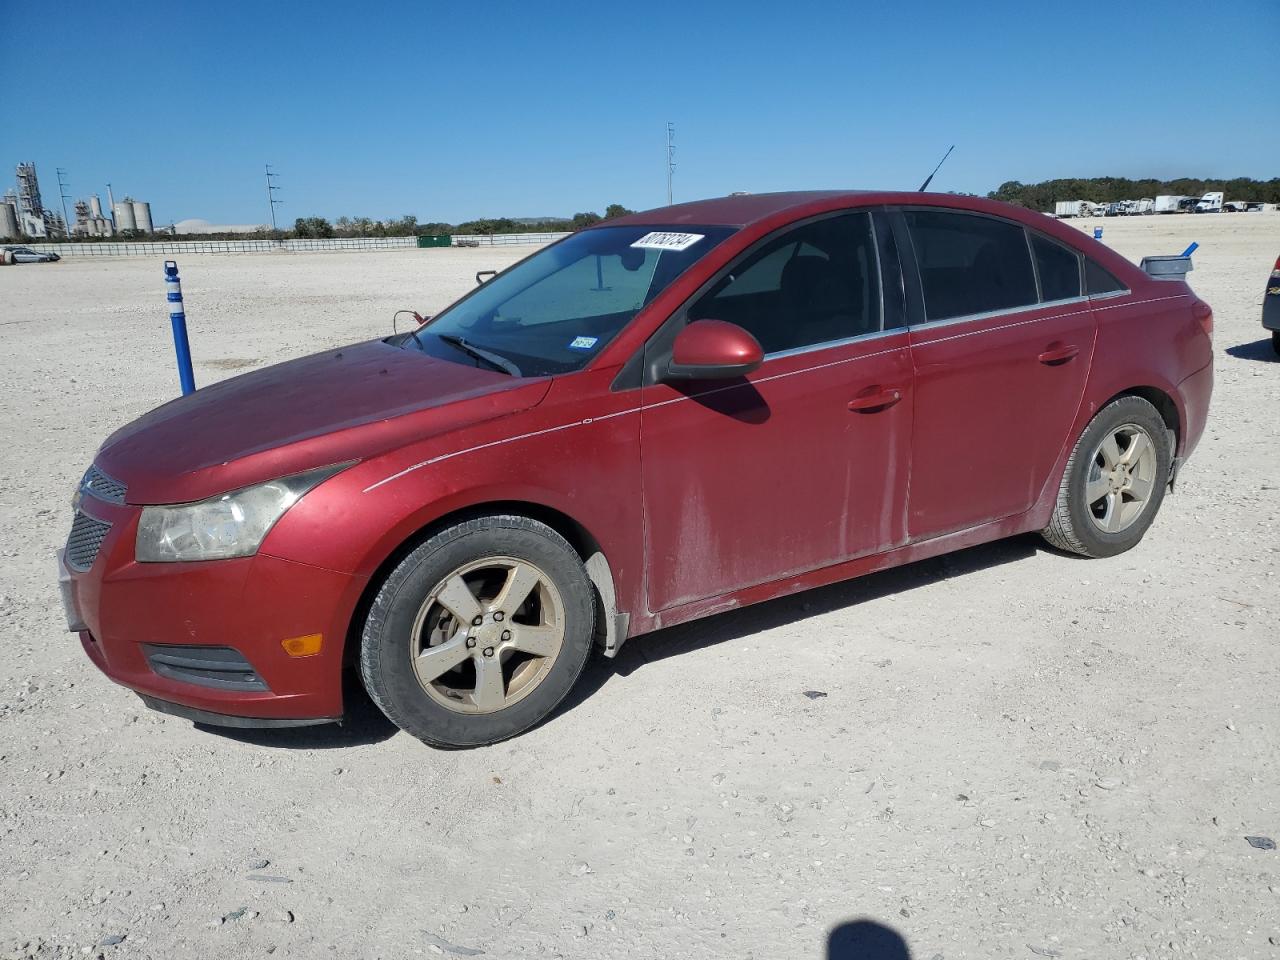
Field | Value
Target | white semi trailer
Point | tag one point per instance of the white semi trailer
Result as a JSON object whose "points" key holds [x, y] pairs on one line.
{"points": [[1170, 203]]}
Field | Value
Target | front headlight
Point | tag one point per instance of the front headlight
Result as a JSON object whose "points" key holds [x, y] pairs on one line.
{"points": [[231, 525]]}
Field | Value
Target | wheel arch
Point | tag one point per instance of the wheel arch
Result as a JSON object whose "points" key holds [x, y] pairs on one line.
{"points": [[1165, 405], [611, 624]]}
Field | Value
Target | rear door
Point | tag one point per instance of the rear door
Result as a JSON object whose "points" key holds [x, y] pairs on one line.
{"points": [[1001, 340], [804, 462]]}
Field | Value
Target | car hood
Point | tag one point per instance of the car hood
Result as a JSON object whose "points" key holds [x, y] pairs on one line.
{"points": [[344, 404]]}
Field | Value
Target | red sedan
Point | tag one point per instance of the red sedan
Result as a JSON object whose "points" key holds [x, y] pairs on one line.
{"points": [[672, 414]]}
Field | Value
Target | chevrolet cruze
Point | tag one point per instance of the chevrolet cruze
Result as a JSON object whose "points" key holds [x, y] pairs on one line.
{"points": [[668, 415]]}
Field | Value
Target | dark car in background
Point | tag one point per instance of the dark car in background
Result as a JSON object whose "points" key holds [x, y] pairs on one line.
{"points": [[11, 254]]}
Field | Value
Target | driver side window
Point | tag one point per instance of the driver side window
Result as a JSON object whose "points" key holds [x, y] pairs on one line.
{"points": [[817, 283]]}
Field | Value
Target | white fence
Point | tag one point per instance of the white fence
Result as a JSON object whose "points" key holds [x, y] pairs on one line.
{"points": [[166, 247]]}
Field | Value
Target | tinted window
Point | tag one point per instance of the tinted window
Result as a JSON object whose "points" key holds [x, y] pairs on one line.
{"points": [[1059, 269], [811, 285], [1098, 280], [970, 264]]}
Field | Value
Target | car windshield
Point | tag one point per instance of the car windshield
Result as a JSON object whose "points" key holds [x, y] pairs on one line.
{"points": [[556, 310]]}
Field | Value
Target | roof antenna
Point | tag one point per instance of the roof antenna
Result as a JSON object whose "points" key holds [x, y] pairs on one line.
{"points": [[925, 186]]}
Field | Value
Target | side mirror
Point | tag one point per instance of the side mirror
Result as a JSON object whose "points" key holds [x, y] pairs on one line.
{"points": [[713, 350]]}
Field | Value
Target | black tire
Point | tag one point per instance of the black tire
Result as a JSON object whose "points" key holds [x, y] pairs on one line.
{"points": [[1275, 341], [1072, 527], [385, 659]]}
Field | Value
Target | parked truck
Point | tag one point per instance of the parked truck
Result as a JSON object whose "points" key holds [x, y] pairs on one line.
{"points": [[1069, 208], [1210, 203]]}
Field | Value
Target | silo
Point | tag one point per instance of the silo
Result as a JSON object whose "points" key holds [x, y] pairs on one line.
{"points": [[8, 222], [95, 207], [123, 211], [142, 215]]}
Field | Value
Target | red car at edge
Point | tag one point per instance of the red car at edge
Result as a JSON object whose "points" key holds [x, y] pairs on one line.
{"points": [[667, 415]]}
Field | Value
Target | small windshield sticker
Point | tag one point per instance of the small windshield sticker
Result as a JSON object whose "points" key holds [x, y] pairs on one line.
{"points": [[583, 343], [668, 241]]}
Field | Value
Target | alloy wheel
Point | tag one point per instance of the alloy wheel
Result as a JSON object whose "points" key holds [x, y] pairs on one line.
{"points": [[1121, 478], [487, 635]]}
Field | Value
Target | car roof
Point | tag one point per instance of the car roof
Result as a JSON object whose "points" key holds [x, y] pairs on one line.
{"points": [[744, 209]]}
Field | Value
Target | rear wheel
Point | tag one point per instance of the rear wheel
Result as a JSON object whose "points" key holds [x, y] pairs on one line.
{"points": [[1114, 482], [479, 633]]}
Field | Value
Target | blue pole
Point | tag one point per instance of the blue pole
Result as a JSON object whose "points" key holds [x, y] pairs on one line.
{"points": [[178, 318], [1190, 250]]}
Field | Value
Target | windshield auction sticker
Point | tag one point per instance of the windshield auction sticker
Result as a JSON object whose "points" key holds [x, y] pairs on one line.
{"points": [[668, 241]]}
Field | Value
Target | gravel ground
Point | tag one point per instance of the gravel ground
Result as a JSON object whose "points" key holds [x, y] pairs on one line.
{"points": [[1002, 753]]}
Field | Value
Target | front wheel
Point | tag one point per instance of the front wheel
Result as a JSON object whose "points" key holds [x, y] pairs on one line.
{"points": [[479, 633], [1114, 482]]}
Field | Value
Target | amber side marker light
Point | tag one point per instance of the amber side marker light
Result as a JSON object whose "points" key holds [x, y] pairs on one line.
{"points": [[307, 646]]}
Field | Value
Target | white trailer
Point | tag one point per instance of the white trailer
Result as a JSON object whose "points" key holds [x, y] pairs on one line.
{"points": [[1169, 203], [1069, 208], [1210, 203], [1145, 205]]}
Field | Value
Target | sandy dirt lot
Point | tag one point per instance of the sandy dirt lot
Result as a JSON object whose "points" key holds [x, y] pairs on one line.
{"points": [[1019, 754]]}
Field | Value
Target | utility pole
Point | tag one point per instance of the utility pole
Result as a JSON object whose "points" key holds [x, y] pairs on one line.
{"points": [[671, 157], [271, 197], [62, 189]]}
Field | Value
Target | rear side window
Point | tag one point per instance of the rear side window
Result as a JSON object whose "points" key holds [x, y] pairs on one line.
{"points": [[1058, 267], [970, 264], [1098, 280]]}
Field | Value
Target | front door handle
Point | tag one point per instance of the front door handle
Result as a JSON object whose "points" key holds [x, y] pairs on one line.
{"points": [[1059, 354], [875, 400]]}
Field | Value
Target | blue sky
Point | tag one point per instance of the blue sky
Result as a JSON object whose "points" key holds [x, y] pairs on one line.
{"points": [[456, 110]]}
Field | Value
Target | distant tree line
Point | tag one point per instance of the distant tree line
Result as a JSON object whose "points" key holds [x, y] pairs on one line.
{"points": [[408, 226], [1042, 196]]}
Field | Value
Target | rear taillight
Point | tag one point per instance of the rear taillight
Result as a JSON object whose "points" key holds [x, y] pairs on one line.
{"points": [[1275, 271], [1204, 313]]}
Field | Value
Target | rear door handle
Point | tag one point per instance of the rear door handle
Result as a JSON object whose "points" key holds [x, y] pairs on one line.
{"points": [[875, 401], [1059, 354]]}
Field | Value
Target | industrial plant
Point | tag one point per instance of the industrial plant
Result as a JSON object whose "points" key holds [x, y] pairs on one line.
{"points": [[23, 214]]}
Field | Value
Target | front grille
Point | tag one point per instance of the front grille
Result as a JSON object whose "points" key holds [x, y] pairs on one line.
{"points": [[98, 484], [219, 667], [87, 534]]}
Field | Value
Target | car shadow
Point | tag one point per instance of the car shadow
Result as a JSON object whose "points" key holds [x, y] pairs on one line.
{"points": [[364, 724], [865, 940], [736, 624], [1258, 350]]}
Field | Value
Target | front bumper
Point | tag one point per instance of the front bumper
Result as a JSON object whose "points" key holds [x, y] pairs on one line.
{"points": [[125, 610]]}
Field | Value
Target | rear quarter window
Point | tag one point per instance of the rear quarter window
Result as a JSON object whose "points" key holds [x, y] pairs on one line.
{"points": [[970, 264], [1098, 280], [1058, 268]]}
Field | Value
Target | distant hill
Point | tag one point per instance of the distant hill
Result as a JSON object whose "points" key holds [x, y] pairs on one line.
{"points": [[1042, 196]]}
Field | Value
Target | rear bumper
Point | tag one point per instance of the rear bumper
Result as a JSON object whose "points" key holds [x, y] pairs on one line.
{"points": [[131, 615], [1271, 307]]}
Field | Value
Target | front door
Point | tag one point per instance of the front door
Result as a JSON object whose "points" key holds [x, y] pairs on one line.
{"points": [[804, 462]]}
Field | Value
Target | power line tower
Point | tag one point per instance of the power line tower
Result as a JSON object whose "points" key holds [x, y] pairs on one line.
{"points": [[671, 157], [62, 189], [271, 197]]}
